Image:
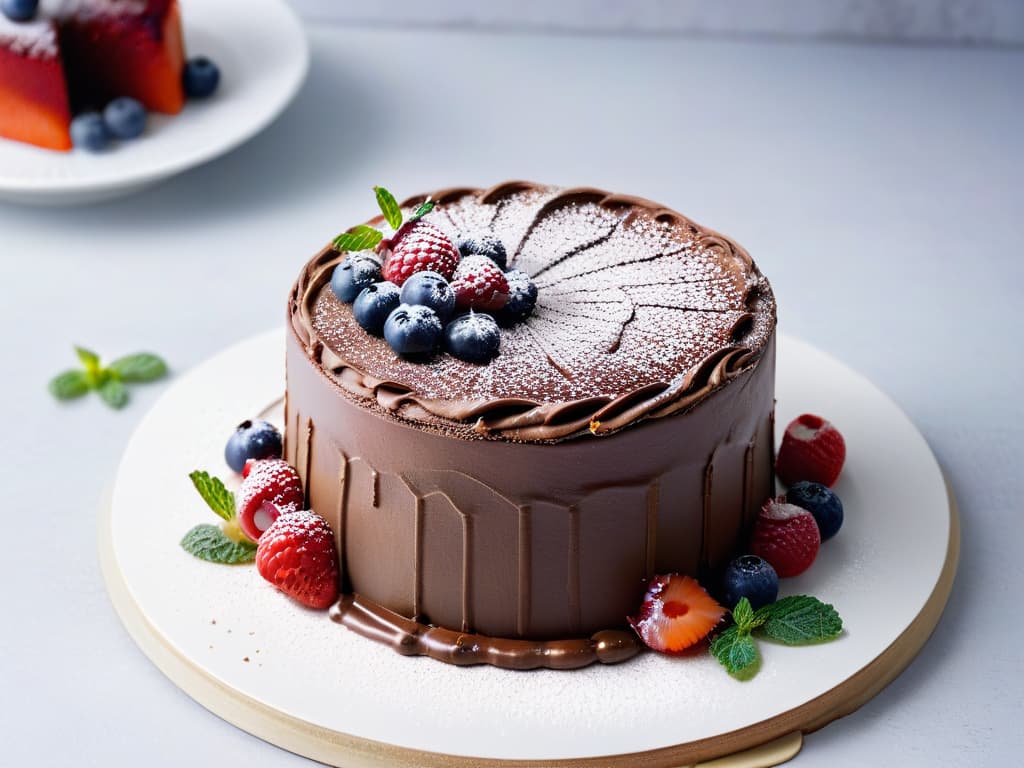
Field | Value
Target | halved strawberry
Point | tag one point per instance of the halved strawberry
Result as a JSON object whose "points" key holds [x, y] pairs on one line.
{"points": [[676, 613]]}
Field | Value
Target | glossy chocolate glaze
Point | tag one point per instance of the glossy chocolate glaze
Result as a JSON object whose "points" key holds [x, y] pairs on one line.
{"points": [[460, 523]]}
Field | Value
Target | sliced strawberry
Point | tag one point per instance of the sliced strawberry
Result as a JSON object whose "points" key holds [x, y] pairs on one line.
{"points": [[812, 449], [676, 613], [787, 536], [296, 554]]}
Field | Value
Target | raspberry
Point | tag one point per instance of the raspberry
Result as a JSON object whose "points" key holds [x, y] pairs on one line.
{"points": [[786, 536], [480, 284], [812, 449], [296, 555], [676, 613], [417, 246], [272, 480]]}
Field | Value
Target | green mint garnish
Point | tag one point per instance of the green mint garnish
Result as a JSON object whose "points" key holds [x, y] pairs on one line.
{"points": [[208, 542], [800, 620], [217, 497], [361, 238], [107, 381], [425, 207], [114, 393], [796, 620], [69, 385], [140, 367], [389, 207], [736, 650]]}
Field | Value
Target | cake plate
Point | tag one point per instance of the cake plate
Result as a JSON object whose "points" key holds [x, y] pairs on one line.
{"points": [[263, 55], [292, 677]]}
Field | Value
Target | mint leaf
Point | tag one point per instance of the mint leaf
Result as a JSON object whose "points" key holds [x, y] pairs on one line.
{"points": [[737, 652], [114, 393], [743, 615], [208, 542], [140, 367], [361, 238], [69, 385], [217, 497], [425, 207], [89, 359], [800, 620], [389, 207]]}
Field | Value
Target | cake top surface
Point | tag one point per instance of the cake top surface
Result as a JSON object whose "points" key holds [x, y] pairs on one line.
{"points": [[38, 38], [640, 312]]}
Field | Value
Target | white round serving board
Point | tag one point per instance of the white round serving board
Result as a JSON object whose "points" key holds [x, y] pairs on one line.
{"points": [[263, 55], [291, 676]]}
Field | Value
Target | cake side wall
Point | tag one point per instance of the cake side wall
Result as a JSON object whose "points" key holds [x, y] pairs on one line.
{"points": [[528, 540]]}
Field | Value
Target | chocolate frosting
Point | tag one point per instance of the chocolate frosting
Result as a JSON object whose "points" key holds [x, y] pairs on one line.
{"points": [[641, 313]]}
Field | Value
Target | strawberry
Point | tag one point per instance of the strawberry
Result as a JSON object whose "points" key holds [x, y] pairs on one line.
{"points": [[417, 246], [296, 554], [272, 480], [786, 536], [676, 613], [812, 449], [480, 284]]}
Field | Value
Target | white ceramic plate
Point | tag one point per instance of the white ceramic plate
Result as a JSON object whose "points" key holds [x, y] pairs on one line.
{"points": [[293, 677], [263, 55]]}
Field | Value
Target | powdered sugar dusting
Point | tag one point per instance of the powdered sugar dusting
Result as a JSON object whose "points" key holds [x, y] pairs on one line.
{"points": [[628, 297]]}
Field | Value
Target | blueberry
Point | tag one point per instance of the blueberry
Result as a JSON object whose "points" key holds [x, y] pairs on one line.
{"points": [[413, 331], [88, 131], [356, 272], [473, 337], [751, 577], [200, 77], [431, 290], [252, 440], [125, 118], [822, 502], [19, 10], [373, 305], [522, 298], [485, 245]]}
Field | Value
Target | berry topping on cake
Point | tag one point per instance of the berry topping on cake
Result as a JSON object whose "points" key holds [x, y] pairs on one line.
{"points": [[373, 305], [200, 77], [480, 284], [473, 337], [751, 577], [418, 246], [252, 440], [820, 501], [89, 132], [430, 289], [296, 554], [812, 449], [413, 331], [488, 246], [787, 537], [125, 118], [676, 613], [272, 480], [522, 298], [351, 276], [19, 10]]}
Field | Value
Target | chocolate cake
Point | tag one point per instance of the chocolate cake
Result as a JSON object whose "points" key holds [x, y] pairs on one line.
{"points": [[512, 512]]}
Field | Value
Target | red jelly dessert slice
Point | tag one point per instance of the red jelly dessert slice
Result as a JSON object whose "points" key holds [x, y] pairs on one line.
{"points": [[33, 93], [139, 55]]}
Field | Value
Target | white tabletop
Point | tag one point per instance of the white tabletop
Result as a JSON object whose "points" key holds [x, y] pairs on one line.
{"points": [[879, 188]]}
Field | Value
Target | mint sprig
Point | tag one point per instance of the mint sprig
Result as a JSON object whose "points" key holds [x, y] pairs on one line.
{"points": [[363, 237], [214, 493], [210, 543], [108, 381], [795, 620]]}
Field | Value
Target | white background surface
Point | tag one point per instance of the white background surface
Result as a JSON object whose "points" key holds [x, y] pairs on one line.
{"points": [[879, 188]]}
